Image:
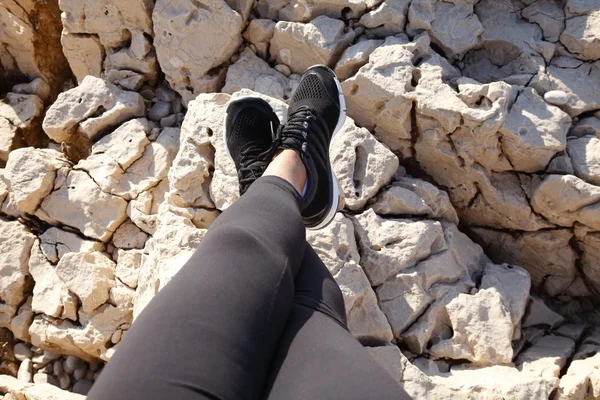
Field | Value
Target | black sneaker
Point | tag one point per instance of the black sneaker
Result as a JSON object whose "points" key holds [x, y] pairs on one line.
{"points": [[250, 125], [317, 112]]}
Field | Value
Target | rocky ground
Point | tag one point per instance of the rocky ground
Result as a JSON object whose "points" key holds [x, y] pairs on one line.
{"points": [[468, 238]]}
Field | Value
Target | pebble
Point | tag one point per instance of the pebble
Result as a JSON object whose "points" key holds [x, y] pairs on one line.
{"points": [[556, 97], [95, 366], [159, 110], [25, 369], [80, 373], [82, 387], [284, 69], [165, 94], [90, 375], [169, 121], [125, 326], [147, 93], [40, 378], [116, 337], [72, 363], [58, 368], [22, 351], [177, 106], [64, 381]]}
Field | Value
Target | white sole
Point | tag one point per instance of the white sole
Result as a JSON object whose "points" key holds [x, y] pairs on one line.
{"points": [[336, 187]]}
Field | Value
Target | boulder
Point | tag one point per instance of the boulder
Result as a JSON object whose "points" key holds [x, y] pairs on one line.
{"points": [[582, 35], [259, 33], [355, 57], [549, 15], [20, 117], [184, 53], [388, 19], [585, 156], [16, 242], [300, 46]]}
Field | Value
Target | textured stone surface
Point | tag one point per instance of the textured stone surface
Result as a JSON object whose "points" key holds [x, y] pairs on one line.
{"points": [[15, 245]]}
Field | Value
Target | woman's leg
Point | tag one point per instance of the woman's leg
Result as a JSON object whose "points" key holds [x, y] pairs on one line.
{"points": [[317, 358], [212, 331]]}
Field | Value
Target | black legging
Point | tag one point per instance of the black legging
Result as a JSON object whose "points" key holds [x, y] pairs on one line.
{"points": [[254, 314]]}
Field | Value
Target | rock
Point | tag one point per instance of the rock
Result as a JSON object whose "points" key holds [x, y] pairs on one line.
{"points": [[80, 373], [82, 387], [581, 379], [89, 275], [260, 32], [127, 80], [355, 57], [409, 196], [15, 245], [530, 142], [546, 255], [361, 164], [589, 245], [128, 236], [22, 320], [57, 368], [85, 53], [51, 295], [169, 121], [116, 337], [582, 35], [128, 266], [20, 117], [40, 378], [144, 209], [64, 381], [556, 97], [300, 10], [90, 108], [30, 175], [251, 72], [451, 25], [184, 56], [159, 110], [38, 87], [388, 19], [165, 94], [586, 126], [538, 313], [391, 246], [580, 81], [81, 204], [22, 352], [322, 41], [55, 243], [25, 371], [585, 156], [549, 15]]}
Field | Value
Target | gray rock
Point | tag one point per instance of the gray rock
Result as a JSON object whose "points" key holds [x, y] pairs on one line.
{"points": [[169, 121], [80, 373], [64, 381], [57, 368], [22, 351], [556, 97], [82, 387], [72, 363], [159, 110], [165, 94]]}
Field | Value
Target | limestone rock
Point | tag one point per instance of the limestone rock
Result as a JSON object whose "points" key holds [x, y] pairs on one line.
{"points": [[259, 33], [578, 79], [362, 165], [89, 275], [533, 132], [586, 126], [81, 204], [90, 108], [452, 25], [55, 243], [589, 245], [322, 41], [20, 117], [390, 358], [304, 11], [355, 57], [30, 175], [388, 19], [585, 155], [85, 53], [51, 296], [582, 35], [538, 313], [184, 54], [582, 379], [251, 72], [129, 263], [546, 255], [22, 321], [15, 246], [410, 196], [549, 15], [143, 210], [129, 236]]}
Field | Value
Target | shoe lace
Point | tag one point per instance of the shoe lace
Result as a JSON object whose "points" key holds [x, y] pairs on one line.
{"points": [[301, 121], [253, 163]]}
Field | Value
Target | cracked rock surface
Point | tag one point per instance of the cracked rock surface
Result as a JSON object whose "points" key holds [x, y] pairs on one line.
{"points": [[467, 239]]}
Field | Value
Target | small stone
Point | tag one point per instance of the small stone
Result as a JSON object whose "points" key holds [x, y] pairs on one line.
{"points": [[284, 69], [125, 326], [22, 351], [116, 337], [25, 371], [159, 110], [40, 378], [80, 373], [147, 93], [169, 121], [57, 368], [95, 366], [165, 94], [177, 106], [556, 97], [82, 387], [72, 363], [64, 381], [90, 375]]}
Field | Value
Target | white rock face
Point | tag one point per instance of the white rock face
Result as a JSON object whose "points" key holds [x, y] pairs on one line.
{"points": [[299, 46], [184, 53], [15, 245], [89, 108]]}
